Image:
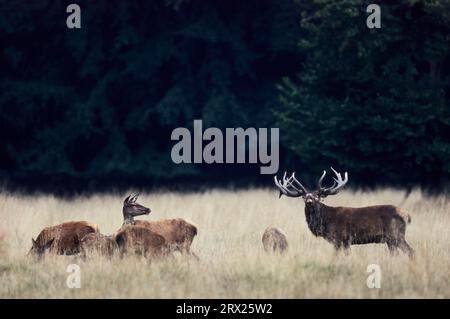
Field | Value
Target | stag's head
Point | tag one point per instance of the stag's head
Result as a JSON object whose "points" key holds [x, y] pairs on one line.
{"points": [[291, 187], [132, 209]]}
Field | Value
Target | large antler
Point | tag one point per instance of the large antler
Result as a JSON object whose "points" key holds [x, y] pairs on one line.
{"points": [[287, 188], [338, 184]]}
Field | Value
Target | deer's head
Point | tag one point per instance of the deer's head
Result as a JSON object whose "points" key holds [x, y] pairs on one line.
{"points": [[38, 249], [291, 187], [132, 209]]}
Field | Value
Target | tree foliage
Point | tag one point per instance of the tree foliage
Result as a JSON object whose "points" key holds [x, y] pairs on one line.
{"points": [[372, 101], [98, 104]]}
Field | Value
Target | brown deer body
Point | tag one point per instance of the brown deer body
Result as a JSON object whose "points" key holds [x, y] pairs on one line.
{"points": [[178, 233], [141, 241], [62, 239], [274, 241], [96, 243], [345, 226]]}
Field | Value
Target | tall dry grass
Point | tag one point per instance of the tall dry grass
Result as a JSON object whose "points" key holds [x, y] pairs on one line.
{"points": [[232, 261], [2, 244]]}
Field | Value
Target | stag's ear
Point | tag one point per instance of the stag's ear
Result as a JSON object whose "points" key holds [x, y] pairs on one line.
{"points": [[281, 194], [127, 199]]}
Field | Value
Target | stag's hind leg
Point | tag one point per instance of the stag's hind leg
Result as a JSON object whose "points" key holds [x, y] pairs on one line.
{"points": [[396, 238], [392, 246]]}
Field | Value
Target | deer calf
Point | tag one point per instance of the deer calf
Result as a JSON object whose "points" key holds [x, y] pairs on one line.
{"points": [[96, 243], [62, 239], [274, 241], [345, 226], [141, 241]]}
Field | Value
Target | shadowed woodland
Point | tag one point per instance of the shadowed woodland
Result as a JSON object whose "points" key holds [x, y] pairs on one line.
{"points": [[93, 108]]}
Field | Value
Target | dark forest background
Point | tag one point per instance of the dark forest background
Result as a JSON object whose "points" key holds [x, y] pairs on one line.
{"points": [[93, 108]]}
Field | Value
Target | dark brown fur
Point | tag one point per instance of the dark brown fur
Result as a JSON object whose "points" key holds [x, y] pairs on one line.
{"points": [[274, 240], [140, 240], [98, 244], [65, 238], [345, 226]]}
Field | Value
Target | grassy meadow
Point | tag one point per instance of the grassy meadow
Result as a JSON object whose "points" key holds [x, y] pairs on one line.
{"points": [[232, 262]]}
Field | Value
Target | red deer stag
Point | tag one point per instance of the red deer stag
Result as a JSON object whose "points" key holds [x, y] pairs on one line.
{"points": [[178, 233], [140, 240], [274, 241], [62, 239], [345, 226]]}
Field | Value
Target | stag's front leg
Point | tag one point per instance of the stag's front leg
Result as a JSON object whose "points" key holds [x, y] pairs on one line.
{"points": [[342, 245], [407, 249], [347, 250]]}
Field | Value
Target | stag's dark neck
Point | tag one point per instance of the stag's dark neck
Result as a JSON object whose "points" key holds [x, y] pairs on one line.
{"points": [[315, 214]]}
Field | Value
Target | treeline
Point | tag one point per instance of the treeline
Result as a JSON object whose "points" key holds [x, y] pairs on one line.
{"points": [[95, 107]]}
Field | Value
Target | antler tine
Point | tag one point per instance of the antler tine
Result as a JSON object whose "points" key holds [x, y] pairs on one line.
{"points": [[289, 184], [319, 183], [286, 188], [280, 185], [299, 184], [339, 179], [277, 183], [286, 180], [338, 184], [283, 189], [330, 188]]}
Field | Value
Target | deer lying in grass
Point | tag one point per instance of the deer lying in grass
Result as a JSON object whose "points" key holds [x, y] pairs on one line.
{"points": [[345, 226], [141, 241], [96, 243], [274, 241], [178, 233], [62, 239]]}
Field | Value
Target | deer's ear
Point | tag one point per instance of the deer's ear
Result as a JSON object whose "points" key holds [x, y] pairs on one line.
{"points": [[134, 198], [126, 199]]}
